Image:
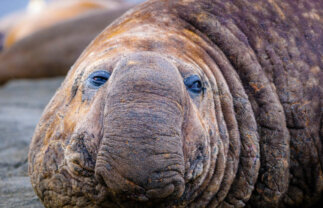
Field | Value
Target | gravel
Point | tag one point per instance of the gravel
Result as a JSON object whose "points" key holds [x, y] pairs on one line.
{"points": [[21, 105]]}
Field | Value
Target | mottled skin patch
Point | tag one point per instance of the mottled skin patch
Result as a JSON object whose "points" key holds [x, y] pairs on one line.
{"points": [[252, 138]]}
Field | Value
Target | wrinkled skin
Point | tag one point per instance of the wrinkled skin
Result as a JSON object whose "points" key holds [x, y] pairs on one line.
{"points": [[252, 137]]}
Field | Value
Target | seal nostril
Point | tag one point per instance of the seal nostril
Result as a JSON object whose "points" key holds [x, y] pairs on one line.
{"points": [[161, 193]]}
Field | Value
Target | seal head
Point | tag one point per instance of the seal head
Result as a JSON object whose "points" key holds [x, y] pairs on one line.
{"points": [[175, 104]]}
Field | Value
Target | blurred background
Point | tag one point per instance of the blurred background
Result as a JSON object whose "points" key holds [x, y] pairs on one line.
{"points": [[8, 6]]}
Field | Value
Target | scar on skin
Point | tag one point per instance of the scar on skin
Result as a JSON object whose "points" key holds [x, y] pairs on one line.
{"points": [[312, 15], [256, 87], [202, 17], [315, 69], [278, 9], [130, 63]]}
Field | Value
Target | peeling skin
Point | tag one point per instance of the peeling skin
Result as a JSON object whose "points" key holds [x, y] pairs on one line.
{"points": [[251, 138]]}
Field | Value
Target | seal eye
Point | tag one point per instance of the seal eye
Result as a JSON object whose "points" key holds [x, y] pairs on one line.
{"points": [[98, 78], [194, 84]]}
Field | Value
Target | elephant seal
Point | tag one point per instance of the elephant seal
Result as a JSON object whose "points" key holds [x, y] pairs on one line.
{"points": [[189, 103]]}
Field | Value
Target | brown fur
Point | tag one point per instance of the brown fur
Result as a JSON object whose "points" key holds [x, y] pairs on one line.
{"points": [[253, 138]]}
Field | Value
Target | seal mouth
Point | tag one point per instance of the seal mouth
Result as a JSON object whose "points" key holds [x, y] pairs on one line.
{"points": [[173, 186], [76, 166], [168, 185], [140, 175], [147, 169]]}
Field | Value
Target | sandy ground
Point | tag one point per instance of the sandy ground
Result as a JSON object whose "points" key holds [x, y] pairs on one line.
{"points": [[21, 105]]}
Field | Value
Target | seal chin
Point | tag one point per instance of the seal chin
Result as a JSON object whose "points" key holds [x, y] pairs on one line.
{"points": [[171, 186]]}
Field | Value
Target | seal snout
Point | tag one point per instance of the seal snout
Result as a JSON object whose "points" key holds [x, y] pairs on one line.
{"points": [[125, 189], [141, 156], [139, 173]]}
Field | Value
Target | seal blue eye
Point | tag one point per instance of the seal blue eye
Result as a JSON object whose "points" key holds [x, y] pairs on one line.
{"points": [[193, 84], [98, 78]]}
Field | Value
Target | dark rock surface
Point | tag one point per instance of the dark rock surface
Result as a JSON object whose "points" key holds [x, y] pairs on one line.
{"points": [[21, 105]]}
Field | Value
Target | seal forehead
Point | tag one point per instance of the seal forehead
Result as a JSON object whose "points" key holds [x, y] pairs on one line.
{"points": [[150, 66], [147, 59]]}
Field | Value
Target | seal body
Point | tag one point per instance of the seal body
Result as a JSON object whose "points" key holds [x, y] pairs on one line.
{"points": [[48, 15], [189, 104], [47, 43]]}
